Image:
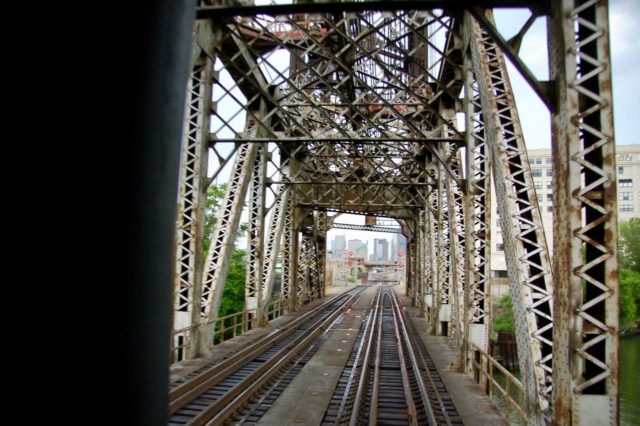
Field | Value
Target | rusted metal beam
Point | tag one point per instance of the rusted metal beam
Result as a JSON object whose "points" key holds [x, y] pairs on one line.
{"points": [[586, 293], [372, 228], [224, 11]]}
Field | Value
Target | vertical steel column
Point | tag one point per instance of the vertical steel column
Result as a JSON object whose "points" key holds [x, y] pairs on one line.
{"points": [[274, 238], [408, 290], [304, 240], [585, 356], [469, 217], [412, 259], [456, 244], [321, 226], [527, 258], [193, 188], [433, 235], [306, 270], [444, 258], [290, 255], [422, 262], [430, 270], [255, 233], [478, 219]]}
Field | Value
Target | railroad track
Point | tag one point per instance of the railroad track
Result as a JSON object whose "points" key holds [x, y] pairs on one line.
{"points": [[215, 393], [390, 378]]}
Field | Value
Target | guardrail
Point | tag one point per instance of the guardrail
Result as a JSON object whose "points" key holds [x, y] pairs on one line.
{"points": [[483, 366], [225, 327]]}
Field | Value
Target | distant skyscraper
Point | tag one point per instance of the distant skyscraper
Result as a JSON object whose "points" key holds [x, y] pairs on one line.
{"points": [[398, 245], [338, 247], [359, 248], [380, 249]]}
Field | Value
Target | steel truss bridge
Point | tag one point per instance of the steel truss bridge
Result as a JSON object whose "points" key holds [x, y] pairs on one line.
{"points": [[405, 110]]}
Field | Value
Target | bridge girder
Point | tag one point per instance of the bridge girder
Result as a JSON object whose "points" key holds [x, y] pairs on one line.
{"points": [[358, 114]]}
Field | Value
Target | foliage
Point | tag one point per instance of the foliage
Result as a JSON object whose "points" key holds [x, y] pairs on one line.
{"points": [[233, 295], [215, 194], [629, 244], [504, 319], [629, 296]]}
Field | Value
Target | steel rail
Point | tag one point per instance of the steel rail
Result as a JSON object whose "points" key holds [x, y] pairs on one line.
{"points": [[375, 396], [363, 372], [224, 407], [411, 406], [186, 392], [416, 368]]}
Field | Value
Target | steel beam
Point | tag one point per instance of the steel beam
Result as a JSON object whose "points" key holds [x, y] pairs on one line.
{"points": [[223, 238], [193, 187], [223, 11], [478, 311], [192, 195], [586, 292], [255, 234], [456, 245], [274, 238], [528, 265], [370, 228]]}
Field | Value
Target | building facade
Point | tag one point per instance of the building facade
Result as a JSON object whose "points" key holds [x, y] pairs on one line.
{"points": [[628, 176], [359, 248], [380, 250]]}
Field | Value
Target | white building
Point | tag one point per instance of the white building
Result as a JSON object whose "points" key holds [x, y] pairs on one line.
{"points": [[628, 175]]}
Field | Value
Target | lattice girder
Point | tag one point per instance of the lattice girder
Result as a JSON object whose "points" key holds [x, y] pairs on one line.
{"points": [[586, 306], [223, 237], [528, 265]]}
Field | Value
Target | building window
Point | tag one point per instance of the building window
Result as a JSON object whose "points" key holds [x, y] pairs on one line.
{"points": [[620, 170], [626, 208], [539, 195], [549, 209], [625, 183], [549, 185], [549, 172], [548, 160], [538, 185], [626, 196], [537, 172], [550, 197], [500, 247], [537, 160], [498, 273], [627, 157]]}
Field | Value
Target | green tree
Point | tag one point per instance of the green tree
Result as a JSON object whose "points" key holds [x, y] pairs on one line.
{"points": [[215, 194], [233, 295], [504, 319], [629, 297], [629, 244]]}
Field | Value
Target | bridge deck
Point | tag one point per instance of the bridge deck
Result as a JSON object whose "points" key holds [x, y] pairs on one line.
{"points": [[306, 398]]}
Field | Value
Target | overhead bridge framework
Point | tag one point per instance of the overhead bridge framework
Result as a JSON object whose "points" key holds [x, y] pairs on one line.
{"points": [[405, 110]]}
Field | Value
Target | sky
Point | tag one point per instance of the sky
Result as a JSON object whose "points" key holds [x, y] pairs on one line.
{"points": [[625, 68], [625, 65]]}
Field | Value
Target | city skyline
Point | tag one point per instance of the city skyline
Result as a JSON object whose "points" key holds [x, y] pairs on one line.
{"points": [[338, 239]]}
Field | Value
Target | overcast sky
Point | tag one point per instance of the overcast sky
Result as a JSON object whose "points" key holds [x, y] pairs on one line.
{"points": [[625, 65]]}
